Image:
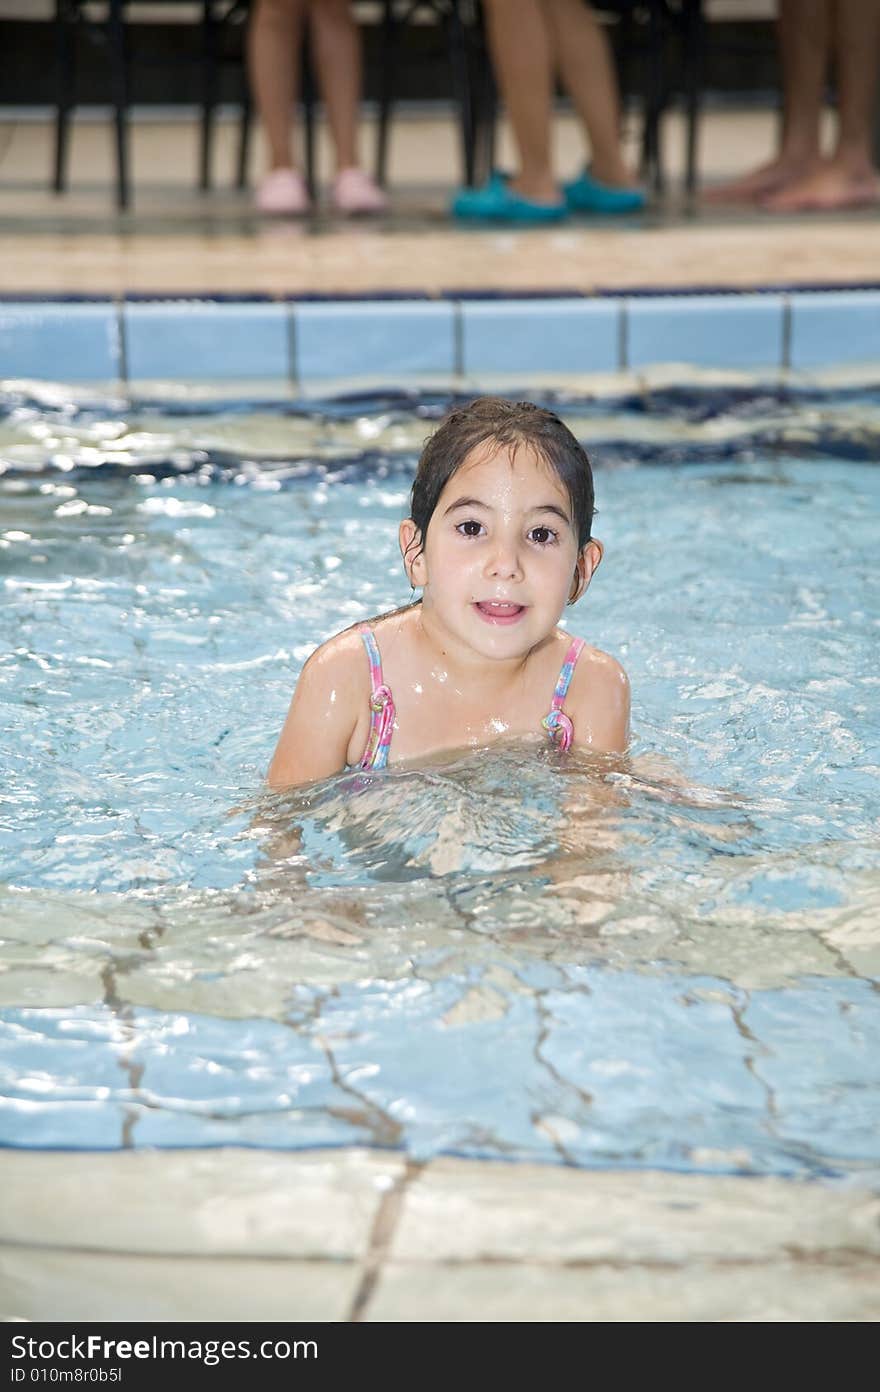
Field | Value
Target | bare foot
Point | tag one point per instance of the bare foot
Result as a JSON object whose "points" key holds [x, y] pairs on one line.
{"points": [[762, 182], [613, 173], [828, 188], [536, 190]]}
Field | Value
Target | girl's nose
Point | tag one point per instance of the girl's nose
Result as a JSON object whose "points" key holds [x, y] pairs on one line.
{"points": [[504, 561]]}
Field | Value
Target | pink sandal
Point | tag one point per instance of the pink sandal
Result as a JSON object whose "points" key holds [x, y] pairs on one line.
{"points": [[283, 191], [355, 192]]}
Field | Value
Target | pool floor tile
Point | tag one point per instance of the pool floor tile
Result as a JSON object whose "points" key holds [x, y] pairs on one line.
{"points": [[459, 1211], [349, 1233], [224, 1203], [49, 1284], [524, 1293]]}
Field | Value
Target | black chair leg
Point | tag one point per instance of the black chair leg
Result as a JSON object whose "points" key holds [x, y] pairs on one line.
{"points": [[387, 61], [119, 76], [65, 53], [486, 120], [246, 118], [471, 78], [244, 140], [652, 161], [693, 38], [458, 59], [209, 91], [308, 101]]}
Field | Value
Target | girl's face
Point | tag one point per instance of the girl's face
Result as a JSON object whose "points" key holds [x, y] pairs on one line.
{"points": [[500, 559]]}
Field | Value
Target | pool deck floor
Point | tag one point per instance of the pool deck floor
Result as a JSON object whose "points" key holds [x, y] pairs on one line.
{"points": [[357, 1235], [177, 241]]}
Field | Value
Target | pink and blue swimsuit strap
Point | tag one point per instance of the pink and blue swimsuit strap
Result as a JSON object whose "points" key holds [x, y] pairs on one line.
{"points": [[382, 712], [557, 724]]}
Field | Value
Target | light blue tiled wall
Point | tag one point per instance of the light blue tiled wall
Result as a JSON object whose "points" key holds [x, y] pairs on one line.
{"points": [[60, 342], [308, 345], [724, 331], [529, 336], [202, 341], [835, 328], [377, 339]]}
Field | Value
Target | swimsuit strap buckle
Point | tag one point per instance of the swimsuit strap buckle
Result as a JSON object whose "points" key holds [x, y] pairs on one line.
{"points": [[559, 727]]}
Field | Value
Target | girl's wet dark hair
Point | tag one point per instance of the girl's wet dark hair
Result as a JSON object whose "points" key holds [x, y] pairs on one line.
{"points": [[510, 423]]}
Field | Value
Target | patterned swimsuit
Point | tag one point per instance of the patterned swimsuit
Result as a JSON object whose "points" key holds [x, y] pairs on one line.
{"points": [[382, 713]]}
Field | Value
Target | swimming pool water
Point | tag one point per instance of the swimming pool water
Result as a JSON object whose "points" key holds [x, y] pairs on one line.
{"points": [[506, 954]]}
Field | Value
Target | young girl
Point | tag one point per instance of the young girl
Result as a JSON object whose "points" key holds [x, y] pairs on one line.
{"points": [[498, 541]]}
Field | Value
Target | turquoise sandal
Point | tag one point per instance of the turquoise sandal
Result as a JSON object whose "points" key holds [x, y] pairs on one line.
{"points": [[586, 195], [496, 202]]}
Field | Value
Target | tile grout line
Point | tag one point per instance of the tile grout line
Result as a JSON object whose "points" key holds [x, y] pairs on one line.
{"points": [[786, 332], [385, 1226], [120, 304], [458, 339], [293, 375], [623, 335]]}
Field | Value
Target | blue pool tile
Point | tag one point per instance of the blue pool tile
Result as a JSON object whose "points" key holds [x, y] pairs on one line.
{"points": [[59, 342], [538, 336], [725, 331], [836, 328], [832, 1029], [374, 339], [198, 341]]}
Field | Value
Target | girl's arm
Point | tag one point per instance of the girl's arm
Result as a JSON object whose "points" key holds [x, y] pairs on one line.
{"points": [[331, 697], [600, 703]]}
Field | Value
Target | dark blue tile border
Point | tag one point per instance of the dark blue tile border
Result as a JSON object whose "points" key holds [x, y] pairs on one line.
{"points": [[782, 287], [565, 293], [47, 297], [358, 296], [199, 297]]}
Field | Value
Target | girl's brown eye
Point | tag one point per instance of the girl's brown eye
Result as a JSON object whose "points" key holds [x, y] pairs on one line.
{"points": [[470, 528], [542, 535]]}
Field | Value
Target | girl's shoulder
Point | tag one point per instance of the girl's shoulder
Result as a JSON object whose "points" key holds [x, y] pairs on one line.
{"points": [[329, 715], [595, 665], [336, 659], [600, 665], [598, 699], [343, 661]]}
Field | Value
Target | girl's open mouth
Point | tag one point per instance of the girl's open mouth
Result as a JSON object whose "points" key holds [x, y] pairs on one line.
{"points": [[498, 611]]}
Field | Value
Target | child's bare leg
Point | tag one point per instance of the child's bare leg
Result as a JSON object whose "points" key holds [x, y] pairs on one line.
{"points": [[583, 56], [804, 37], [849, 178], [521, 58], [336, 40], [274, 38], [336, 43]]}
